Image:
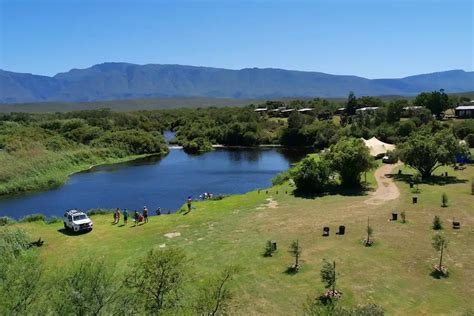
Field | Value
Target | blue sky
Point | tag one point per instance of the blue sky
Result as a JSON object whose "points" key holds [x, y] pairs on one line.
{"points": [[370, 38]]}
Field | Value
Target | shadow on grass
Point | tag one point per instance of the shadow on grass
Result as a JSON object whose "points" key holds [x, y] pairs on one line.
{"points": [[433, 180], [435, 274], [69, 232], [334, 189], [290, 271]]}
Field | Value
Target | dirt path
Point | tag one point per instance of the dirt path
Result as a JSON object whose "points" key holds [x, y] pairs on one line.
{"points": [[386, 188]]}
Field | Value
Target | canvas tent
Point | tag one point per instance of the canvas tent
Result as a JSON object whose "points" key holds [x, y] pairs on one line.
{"points": [[377, 148]]}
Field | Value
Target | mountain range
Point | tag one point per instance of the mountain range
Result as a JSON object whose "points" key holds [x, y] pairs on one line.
{"points": [[116, 81]]}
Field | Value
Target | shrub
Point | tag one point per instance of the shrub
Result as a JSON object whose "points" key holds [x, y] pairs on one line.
{"points": [[470, 140], [403, 217], [437, 225], [53, 219], [99, 211], [5, 220], [444, 200], [350, 157], [268, 249], [12, 242], [281, 178], [311, 175], [33, 218]]}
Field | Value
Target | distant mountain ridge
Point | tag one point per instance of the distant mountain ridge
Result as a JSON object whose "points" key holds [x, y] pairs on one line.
{"points": [[110, 81]]}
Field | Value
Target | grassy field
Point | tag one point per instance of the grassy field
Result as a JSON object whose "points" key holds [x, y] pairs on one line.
{"points": [[394, 273]]}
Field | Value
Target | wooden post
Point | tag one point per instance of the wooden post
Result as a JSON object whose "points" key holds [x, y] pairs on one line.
{"points": [[334, 280], [441, 256]]}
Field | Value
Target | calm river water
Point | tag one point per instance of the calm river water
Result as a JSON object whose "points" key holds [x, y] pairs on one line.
{"points": [[157, 182]]}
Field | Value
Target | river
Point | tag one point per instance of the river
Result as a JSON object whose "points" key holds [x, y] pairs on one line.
{"points": [[154, 182]]}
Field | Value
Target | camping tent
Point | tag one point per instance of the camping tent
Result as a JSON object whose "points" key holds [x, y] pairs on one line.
{"points": [[378, 148]]}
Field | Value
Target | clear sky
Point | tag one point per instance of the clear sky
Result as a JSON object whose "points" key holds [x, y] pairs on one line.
{"points": [[370, 38]]}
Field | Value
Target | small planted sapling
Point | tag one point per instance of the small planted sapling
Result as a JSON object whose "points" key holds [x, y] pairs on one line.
{"points": [[268, 249], [403, 216], [437, 225], [444, 200], [368, 241], [295, 251], [439, 244]]}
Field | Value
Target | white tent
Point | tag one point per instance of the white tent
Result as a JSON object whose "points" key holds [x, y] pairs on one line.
{"points": [[378, 148]]}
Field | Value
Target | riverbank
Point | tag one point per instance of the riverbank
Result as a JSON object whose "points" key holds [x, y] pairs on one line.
{"points": [[44, 170], [394, 273]]}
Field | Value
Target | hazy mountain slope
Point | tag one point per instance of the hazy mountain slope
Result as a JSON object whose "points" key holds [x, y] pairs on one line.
{"points": [[110, 81]]}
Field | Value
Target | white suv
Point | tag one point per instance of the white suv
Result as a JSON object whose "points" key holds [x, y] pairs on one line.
{"points": [[77, 221]]}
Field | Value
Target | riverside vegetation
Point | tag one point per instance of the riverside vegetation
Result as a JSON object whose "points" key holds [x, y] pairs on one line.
{"points": [[39, 151]]}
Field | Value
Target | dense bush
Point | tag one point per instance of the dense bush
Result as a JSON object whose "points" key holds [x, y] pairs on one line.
{"points": [[469, 139], [349, 157], [198, 145], [33, 218], [132, 141], [311, 175], [5, 220]]}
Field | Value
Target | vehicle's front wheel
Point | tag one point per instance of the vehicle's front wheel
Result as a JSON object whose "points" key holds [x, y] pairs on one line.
{"points": [[65, 226]]}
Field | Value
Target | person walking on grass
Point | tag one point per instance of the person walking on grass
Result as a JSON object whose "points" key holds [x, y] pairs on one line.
{"points": [[115, 216], [118, 215], [136, 217], [125, 216], [189, 202], [158, 211], [145, 214]]}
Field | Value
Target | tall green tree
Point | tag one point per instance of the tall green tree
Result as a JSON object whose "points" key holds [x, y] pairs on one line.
{"points": [[437, 101], [426, 152], [350, 158], [351, 104]]}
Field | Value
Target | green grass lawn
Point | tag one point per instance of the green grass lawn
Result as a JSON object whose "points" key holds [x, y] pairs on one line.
{"points": [[394, 273]]}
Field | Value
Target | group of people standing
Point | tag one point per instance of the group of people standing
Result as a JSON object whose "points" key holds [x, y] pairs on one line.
{"points": [[137, 216]]}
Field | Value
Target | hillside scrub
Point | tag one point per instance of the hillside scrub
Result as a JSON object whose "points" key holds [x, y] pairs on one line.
{"points": [[41, 151]]}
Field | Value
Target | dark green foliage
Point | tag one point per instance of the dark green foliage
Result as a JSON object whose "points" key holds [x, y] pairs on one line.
{"points": [[99, 211], [33, 218], [426, 152], [469, 139], [268, 251], [20, 272], [85, 288], [5, 220], [437, 224], [13, 242], [349, 157], [295, 251], [311, 175], [198, 145], [132, 142], [328, 274], [351, 104], [436, 101], [406, 127], [281, 178], [444, 200], [156, 281]]}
